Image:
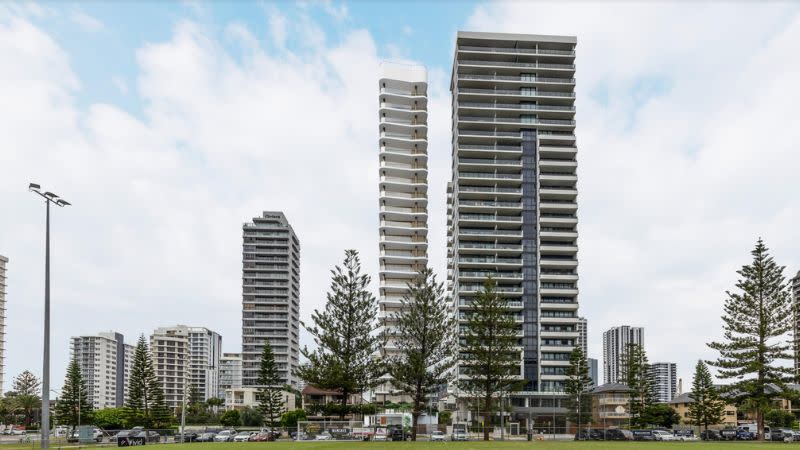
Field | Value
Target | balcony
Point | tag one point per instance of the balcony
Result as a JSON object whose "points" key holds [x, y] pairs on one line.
{"points": [[527, 51], [517, 120], [517, 93], [488, 218], [526, 65], [483, 232], [465, 260], [490, 162]]}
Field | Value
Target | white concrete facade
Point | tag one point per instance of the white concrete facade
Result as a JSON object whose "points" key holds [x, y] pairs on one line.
{"points": [[794, 284], [205, 352], [403, 191], [615, 346], [169, 347], [583, 335], [512, 199], [3, 264], [270, 296], [104, 361], [665, 381]]}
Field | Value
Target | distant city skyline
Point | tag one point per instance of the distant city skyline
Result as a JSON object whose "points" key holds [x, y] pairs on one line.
{"points": [[199, 120]]}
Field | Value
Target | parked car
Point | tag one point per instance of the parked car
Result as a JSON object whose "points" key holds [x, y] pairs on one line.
{"points": [[75, 436], [206, 437], [459, 435], [744, 435], [225, 436], [324, 436], [188, 436], [299, 435], [438, 436], [684, 435], [398, 434], [782, 434], [643, 435], [709, 435], [662, 435], [242, 436]]}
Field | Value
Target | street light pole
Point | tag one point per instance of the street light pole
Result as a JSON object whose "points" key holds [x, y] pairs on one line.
{"points": [[49, 197]]}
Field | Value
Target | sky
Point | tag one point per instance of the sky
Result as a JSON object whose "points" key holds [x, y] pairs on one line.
{"points": [[168, 125]]}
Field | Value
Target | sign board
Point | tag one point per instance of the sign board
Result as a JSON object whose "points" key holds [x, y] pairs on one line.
{"points": [[86, 434]]}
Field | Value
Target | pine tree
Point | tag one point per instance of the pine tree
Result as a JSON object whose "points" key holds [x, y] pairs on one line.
{"points": [[344, 333], [489, 353], [578, 388], [27, 383], [145, 406], [756, 322], [636, 373], [73, 407], [270, 387], [423, 333], [706, 407]]}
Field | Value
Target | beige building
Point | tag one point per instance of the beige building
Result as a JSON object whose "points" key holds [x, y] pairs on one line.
{"points": [[169, 347], [611, 405], [681, 406], [105, 363], [243, 397]]}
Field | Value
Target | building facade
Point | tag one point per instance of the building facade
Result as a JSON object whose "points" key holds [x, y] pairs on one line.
{"points": [[105, 361], [583, 335], [270, 296], [593, 371], [403, 193], [205, 351], [665, 381], [3, 264], [169, 347], [680, 403], [230, 372], [512, 200], [611, 405], [795, 288], [250, 397], [615, 346]]}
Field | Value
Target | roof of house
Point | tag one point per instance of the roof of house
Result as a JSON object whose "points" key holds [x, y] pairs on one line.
{"points": [[611, 387], [313, 390]]}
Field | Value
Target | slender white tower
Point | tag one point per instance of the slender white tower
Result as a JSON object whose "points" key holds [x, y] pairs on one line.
{"points": [[403, 189]]}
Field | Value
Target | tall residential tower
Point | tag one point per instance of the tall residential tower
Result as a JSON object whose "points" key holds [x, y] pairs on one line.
{"points": [[795, 288], [615, 346], [205, 351], [105, 363], [403, 189], [665, 381], [3, 263], [270, 296], [512, 200]]}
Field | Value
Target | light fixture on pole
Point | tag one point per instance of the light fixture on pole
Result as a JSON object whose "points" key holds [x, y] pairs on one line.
{"points": [[49, 198]]}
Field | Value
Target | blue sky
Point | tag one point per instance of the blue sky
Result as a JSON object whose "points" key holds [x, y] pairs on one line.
{"points": [[168, 124]]}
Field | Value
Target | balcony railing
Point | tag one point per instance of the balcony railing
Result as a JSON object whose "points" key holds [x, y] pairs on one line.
{"points": [[521, 106], [533, 65], [532, 51], [490, 217], [491, 232], [489, 147], [494, 162], [491, 176], [531, 121], [525, 93], [401, 92], [490, 246], [525, 79], [489, 133], [490, 190], [492, 204]]}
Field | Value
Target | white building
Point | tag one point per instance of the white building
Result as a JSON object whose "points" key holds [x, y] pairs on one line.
{"points": [[270, 296], [512, 200], [3, 264], [244, 397], [169, 347], [665, 381], [230, 372], [615, 347], [105, 361], [583, 335], [795, 287], [403, 191], [205, 351]]}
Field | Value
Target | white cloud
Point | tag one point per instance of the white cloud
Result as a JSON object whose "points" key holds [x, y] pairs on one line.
{"points": [[687, 155], [121, 84], [86, 22], [277, 27], [339, 12]]}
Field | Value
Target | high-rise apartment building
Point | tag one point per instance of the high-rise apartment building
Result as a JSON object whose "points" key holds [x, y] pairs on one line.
{"points": [[665, 381], [593, 371], [205, 351], [583, 335], [403, 190], [3, 264], [230, 372], [615, 347], [169, 347], [270, 296], [795, 288], [512, 200], [105, 362]]}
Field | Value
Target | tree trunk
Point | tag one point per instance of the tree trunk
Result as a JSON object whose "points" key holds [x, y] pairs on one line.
{"points": [[760, 424], [414, 421], [487, 415]]}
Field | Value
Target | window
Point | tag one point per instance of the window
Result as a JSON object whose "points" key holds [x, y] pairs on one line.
{"points": [[527, 91]]}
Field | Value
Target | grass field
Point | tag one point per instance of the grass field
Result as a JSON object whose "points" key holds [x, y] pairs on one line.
{"points": [[472, 445]]}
